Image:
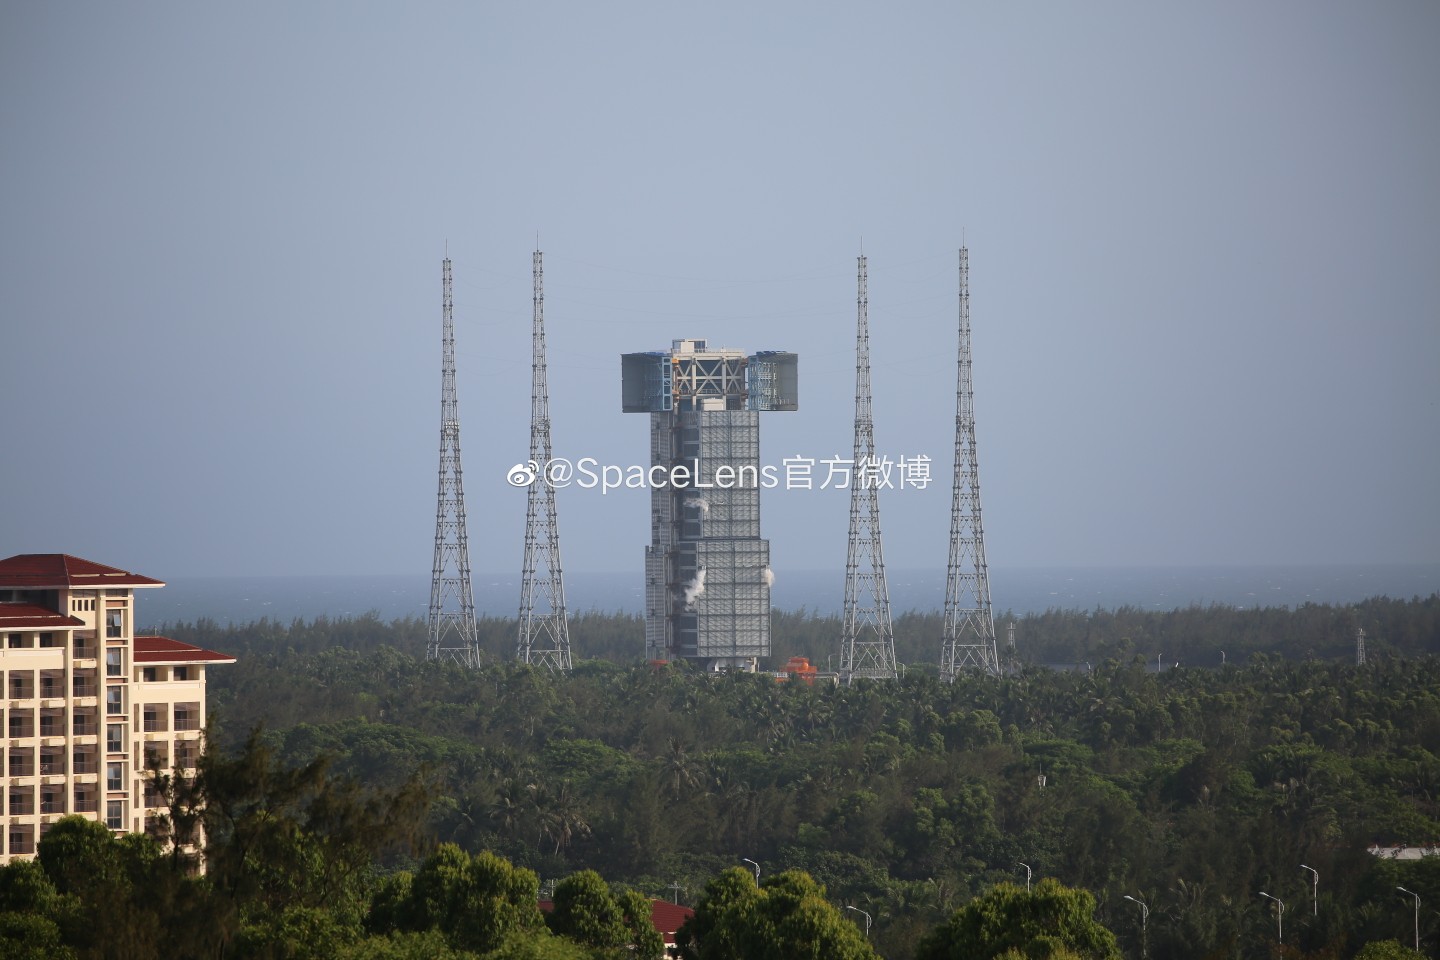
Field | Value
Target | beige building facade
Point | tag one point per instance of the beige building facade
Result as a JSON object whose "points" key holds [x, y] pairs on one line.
{"points": [[87, 703]]}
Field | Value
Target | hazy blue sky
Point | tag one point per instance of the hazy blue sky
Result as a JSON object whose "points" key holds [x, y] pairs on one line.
{"points": [[1204, 239]]}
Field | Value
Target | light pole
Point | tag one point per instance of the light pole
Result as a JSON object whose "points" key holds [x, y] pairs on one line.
{"points": [[756, 866], [1144, 926], [863, 914], [1417, 915], [1027, 874], [1279, 917], [1314, 890]]}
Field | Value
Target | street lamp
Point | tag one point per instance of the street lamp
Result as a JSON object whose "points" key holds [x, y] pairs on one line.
{"points": [[1144, 926], [756, 866], [1417, 915], [1279, 917], [863, 914], [1314, 890], [1027, 874]]}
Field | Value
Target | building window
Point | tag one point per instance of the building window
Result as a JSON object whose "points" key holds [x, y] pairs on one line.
{"points": [[52, 801], [112, 623], [22, 763], [114, 700], [13, 641], [154, 717], [187, 716], [181, 673], [114, 738], [115, 814], [22, 840], [114, 776], [150, 674], [115, 662], [48, 640]]}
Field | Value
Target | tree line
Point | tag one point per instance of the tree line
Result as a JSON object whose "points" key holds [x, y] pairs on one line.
{"points": [[1191, 789]]}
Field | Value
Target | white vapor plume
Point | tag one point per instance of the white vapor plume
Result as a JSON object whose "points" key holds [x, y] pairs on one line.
{"points": [[769, 577], [703, 504], [694, 588]]}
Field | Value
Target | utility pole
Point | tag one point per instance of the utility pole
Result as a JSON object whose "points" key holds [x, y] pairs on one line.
{"points": [[1279, 916], [452, 634], [968, 642], [1144, 925], [1417, 914], [544, 636], [867, 647], [1314, 890]]}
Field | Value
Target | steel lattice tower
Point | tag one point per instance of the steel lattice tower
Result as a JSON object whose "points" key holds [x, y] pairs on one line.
{"points": [[969, 632], [544, 631], [867, 648], [452, 604]]}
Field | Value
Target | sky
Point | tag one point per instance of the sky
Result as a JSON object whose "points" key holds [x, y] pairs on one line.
{"points": [[1204, 250]]}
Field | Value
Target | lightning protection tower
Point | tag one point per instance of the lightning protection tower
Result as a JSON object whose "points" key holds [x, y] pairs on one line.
{"points": [[544, 631], [867, 647], [452, 633], [969, 631]]}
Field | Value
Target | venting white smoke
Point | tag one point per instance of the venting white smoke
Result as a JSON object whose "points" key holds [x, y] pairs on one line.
{"points": [[769, 577], [694, 588], [703, 504]]}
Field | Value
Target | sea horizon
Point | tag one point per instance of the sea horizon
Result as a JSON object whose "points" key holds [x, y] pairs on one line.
{"points": [[1018, 590]]}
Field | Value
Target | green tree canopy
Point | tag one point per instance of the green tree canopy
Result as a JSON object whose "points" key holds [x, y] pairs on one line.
{"points": [[786, 917], [1048, 922]]}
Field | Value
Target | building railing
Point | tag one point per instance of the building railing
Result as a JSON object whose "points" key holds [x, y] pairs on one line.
{"points": [[87, 766], [187, 723], [52, 806]]}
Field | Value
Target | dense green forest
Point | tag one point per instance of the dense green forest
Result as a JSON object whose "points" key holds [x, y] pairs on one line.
{"points": [[1192, 789]]}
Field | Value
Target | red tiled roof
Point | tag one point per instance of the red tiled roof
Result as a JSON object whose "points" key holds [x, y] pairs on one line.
{"points": [[165, 650], [48, 570], [668, 917], [665, 917], [17, 616]]}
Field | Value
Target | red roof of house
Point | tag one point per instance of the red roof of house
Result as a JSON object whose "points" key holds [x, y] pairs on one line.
{"points": [[17, 616], [52, 570], [165, 650], [669, 917], [665, 917]]}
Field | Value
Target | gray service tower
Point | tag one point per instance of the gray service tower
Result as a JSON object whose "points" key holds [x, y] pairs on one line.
{"points": [[707, 570]]}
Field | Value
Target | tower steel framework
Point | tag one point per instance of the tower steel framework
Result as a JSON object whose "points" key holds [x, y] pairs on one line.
{"points": [[544, 636], [452, 634], [969, 630], [867, 647], [707, 569]]}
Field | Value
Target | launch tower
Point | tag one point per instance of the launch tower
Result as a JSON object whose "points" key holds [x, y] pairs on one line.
{"points": [[707, 569]]}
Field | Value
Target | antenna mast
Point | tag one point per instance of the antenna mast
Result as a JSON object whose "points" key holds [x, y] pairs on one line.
{"points": [[1359, 646], [969, 631], [544, 630], [452, 634], [867, 648]]}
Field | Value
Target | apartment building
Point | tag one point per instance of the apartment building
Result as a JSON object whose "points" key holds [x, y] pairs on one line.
{"points": [[86, 702]]}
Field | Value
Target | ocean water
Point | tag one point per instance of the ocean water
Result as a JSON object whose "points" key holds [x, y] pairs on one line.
{"points": [[1021, 590]]}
